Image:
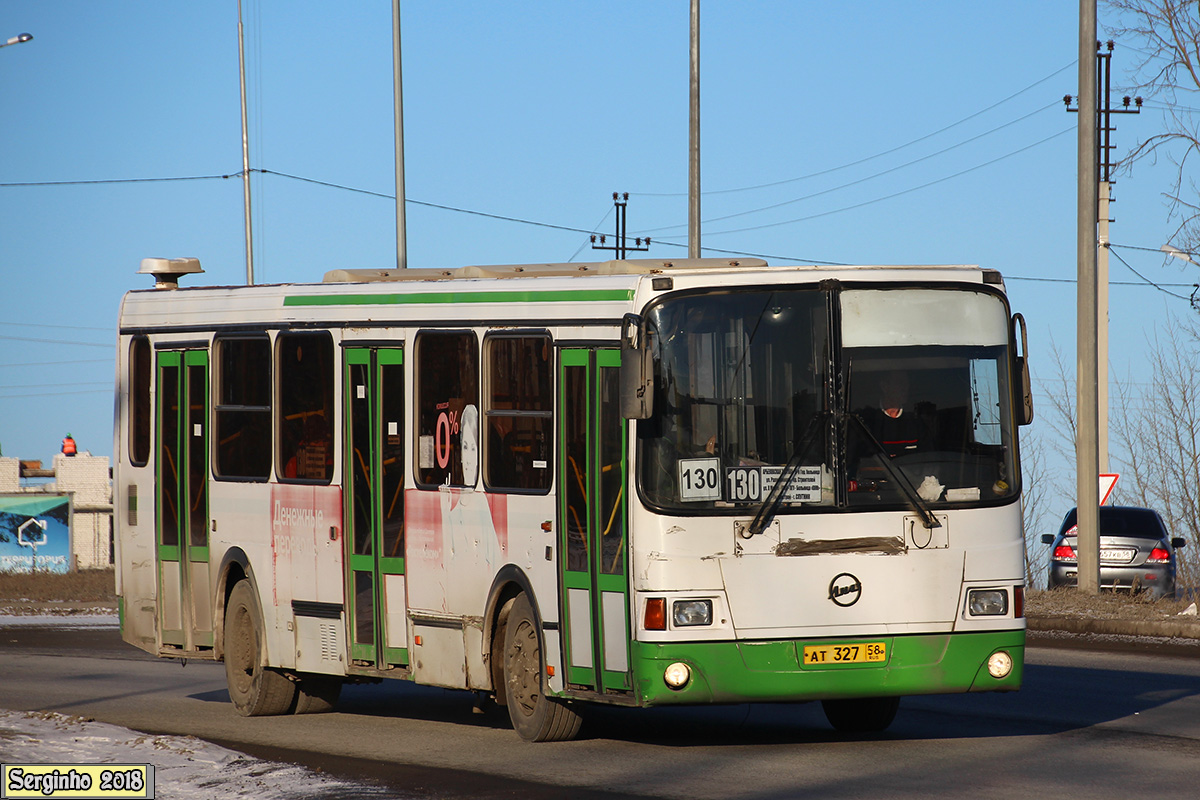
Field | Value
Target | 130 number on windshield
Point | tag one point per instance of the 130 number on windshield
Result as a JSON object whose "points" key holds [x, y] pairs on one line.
{"points": [[744, 483], [699, 479]]}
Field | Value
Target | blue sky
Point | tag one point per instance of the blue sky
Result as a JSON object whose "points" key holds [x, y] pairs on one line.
{"points": [[890, 137]]}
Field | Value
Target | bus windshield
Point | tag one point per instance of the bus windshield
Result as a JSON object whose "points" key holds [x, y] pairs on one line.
{"points": [[910, 399]]}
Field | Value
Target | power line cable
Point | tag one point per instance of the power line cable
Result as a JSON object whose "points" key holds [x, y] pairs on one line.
{"points": [[868, 158], [421, 202], [525, 221], [58, 327], [894, 195], [385, 196], [101, 181], [791, 259], [595, 229], [1008, 278], [54, 341], [55, 385], [56, 394], [1147, 280], [1158, 250], [863, 179], [60, 363]]}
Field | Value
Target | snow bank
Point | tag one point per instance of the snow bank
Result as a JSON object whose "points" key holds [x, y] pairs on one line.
{"points": [[185, 768]]}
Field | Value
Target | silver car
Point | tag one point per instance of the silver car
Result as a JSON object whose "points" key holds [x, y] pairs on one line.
{"points": [[1137, 554]]}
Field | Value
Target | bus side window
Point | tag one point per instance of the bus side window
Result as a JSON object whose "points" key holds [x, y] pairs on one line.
{"points": [[518, 413], [305, 433], [447, 372], [139, 401], [243, 411]]}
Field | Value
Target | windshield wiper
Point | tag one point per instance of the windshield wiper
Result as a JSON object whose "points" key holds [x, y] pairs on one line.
{"points": [[770, 506], [918, 504]]}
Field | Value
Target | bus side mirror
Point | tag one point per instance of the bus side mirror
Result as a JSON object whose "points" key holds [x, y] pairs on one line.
{"points": [[1023, 386], [637, 375]]}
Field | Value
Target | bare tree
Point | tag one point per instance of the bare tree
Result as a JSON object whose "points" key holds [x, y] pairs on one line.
{"points": [[1157, 433], [1154, 437], [1036, 513], [1165, 39], [1048, 463]]}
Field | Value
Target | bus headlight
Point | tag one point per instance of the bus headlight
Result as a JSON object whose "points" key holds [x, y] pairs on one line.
{"points": [[677, 675], [685, 613], [1000, 664], [987, 602]]}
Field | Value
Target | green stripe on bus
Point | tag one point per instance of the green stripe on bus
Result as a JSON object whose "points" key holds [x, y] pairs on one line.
{"points": [[424, 298]]}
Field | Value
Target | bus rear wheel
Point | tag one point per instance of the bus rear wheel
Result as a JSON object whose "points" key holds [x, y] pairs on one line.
{"points": [[535, 717], [255, 690], [861, 714]]}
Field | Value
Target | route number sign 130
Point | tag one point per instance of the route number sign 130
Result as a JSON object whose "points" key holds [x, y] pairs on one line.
{"points": [[699, 479]]}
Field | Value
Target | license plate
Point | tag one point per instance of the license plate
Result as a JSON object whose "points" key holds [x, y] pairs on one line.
{"points": [[863, 653], [1117, 555]]}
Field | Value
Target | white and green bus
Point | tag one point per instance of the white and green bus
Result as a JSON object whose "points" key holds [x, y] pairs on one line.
{"points": [[638, 483]]}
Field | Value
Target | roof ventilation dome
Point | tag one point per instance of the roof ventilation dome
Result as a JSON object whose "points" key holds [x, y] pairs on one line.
{"points": [[166, 271]]}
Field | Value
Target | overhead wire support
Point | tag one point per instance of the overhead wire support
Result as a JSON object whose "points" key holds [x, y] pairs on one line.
{"points": [[1104, 110], [621, 241], [1103, 173]]}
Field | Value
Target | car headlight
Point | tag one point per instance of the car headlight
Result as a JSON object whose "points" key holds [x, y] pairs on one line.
{"points": [[686, 613], [987, 602]]}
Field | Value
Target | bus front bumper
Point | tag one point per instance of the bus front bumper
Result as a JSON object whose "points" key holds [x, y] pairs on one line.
{"points": [[747, 672]]}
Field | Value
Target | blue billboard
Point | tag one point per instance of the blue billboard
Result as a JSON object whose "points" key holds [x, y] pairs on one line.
{"points": [[35, 533]]}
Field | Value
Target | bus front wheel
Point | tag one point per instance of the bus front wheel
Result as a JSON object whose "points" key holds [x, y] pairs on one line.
{"points": [[255, 690], [861, 714], [535, 717]]}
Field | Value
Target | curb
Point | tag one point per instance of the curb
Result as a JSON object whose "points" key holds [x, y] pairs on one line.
{"points": [[1116, 627]]}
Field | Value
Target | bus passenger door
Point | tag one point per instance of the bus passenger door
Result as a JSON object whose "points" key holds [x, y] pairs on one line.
{"points": [[181, 500], [374, 419], [593, 544]]}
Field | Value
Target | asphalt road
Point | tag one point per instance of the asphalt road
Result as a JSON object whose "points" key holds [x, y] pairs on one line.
{"points": [[1087, 723]]}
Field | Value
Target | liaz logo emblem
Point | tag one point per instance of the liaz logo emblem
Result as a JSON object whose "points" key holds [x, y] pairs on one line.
{"points": [[845, 589]]}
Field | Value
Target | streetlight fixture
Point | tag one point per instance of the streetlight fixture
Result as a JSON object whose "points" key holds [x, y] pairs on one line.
{"points": [[21, 37], [1180, 254], [1183, 255]]}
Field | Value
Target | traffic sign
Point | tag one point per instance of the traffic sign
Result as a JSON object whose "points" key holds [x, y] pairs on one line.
{"points": [[1107, 482]]}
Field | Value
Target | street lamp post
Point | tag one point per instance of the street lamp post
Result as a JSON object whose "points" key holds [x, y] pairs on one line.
{"points": [[20, 37]]}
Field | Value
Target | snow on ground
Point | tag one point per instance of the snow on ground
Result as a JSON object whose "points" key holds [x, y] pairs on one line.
{"points": [[185, 768]]}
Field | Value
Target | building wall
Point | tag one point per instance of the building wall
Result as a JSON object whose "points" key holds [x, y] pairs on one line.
{"points": [[10, 475], [85, 477]]}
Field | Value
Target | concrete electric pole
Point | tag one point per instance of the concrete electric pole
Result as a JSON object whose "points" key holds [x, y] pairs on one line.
{"points": [[694, 139], [1095, 189], [1104, 148], [1087, 463]]}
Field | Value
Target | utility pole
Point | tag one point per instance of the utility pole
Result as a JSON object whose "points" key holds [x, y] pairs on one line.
{"points": [[694, 139], [245, 152], [1104, 148], [621, 241], [398, 105], [1087, 464]]}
